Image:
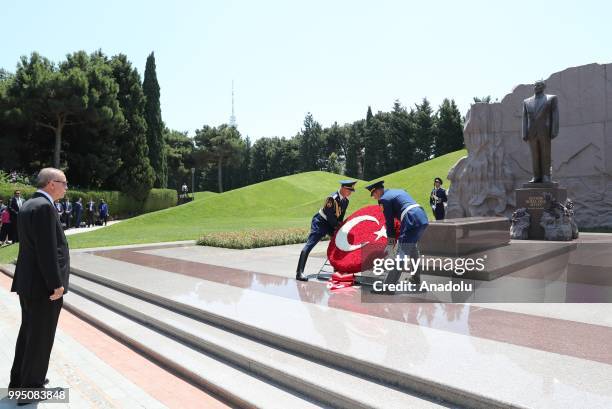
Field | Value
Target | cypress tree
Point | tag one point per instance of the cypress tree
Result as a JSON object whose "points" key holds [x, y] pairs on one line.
{"points": [[135, 176], [155, 126]]}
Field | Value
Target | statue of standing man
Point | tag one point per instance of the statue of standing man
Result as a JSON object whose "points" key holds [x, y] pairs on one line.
{"points": [[540, 126]]}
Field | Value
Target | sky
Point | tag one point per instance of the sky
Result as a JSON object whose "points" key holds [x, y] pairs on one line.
{"points": [[330, 58]]}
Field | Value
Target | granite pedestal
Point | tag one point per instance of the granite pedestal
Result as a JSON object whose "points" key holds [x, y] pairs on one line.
{"points": [[456, 237], [531, 197]]}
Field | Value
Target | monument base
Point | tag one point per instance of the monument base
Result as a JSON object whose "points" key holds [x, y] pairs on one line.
{"points": [[456, 237], [531, 197]]}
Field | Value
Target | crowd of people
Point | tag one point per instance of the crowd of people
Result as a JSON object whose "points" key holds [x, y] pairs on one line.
{"points": [[71, 215], [79, 215], [8, 217]]}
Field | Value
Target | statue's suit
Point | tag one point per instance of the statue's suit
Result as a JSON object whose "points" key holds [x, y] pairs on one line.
{"points": [[540, 126]]}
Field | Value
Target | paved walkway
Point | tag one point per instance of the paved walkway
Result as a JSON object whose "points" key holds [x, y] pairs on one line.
{"points": [[99, 371], [73, 230]]}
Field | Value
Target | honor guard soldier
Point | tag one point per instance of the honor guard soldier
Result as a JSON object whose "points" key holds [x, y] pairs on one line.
{"points": [[398, 204], [437, 199], [326, 221]]}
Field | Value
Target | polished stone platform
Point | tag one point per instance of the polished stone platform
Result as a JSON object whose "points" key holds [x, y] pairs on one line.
{"points": [[432, 350], [507, 355], [456, 237], [500, 261]]}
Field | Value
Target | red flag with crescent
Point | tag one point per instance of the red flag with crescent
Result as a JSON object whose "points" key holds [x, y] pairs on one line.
{"points": [[359, 240]]}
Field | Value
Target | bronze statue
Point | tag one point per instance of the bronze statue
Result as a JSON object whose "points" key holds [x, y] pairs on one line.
{"points": [[540, 126]]}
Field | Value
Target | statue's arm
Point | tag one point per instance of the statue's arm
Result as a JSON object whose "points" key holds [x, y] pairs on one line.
{"points": [[554, 129], [525, 121]]}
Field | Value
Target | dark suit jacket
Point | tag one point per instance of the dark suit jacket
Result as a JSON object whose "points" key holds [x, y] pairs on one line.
{"points": [[43, 263], [14, 208], [540, 119]]}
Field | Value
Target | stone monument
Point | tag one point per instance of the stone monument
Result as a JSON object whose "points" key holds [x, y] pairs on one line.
{"points": [[540, 127], [498, 162]]}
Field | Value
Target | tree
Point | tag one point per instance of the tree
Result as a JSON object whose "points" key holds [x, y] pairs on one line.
{"points": [[336, 139], [449, 129], [375, 146], [179, 154], [483, 100], [219, 146], [354, 150], [401, 138], [155, 125], [92, 143], [334, 164], [135, 176], [9, 134], [311, 145], [54, 97], [424, 131]]}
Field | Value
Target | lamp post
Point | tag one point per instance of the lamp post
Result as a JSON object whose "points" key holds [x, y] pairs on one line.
{"points": [[193, 182]]}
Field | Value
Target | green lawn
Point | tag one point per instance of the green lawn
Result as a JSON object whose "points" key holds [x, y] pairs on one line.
{"points": [[204, 195], [285, 202]]}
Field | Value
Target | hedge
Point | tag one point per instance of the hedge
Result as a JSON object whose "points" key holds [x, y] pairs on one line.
{"points": [[250, 239], [120, 204]]}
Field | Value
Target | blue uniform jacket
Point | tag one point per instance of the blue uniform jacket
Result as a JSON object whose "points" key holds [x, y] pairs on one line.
{"points": [[394, 202]]}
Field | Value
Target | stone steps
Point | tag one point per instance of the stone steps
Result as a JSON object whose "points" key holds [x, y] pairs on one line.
{"points": [[346, 363], [275, 375]]}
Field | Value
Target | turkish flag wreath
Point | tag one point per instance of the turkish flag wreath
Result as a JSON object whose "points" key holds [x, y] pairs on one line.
{"points": [[359, 240]]}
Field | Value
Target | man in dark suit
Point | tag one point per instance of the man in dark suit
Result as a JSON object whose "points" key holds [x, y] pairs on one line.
{"points": [[68, 213], [41, 279], [14, 207], [78, 211], [540, 127], [91, 211]]}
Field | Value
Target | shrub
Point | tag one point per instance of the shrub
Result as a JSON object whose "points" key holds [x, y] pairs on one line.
{"points": [[120, 204], [250, 239]]}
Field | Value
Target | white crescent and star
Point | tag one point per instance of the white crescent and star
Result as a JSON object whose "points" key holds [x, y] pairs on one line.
{"points": [[342, 235]]}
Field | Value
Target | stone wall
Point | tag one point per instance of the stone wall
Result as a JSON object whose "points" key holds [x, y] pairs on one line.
{"points": [[498, 161]]}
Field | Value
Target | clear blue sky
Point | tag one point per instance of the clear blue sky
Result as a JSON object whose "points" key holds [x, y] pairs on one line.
{"points": [[332, 58]]}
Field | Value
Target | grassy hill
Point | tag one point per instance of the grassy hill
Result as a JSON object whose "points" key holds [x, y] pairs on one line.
{"points": [[204, 195], [288, 201]]}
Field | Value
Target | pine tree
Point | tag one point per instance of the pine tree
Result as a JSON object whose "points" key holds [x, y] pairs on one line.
{"points": [[424, 132], [449, 129], [311, 145], [354, 150], [218, 147], [155, 126], [375, 146]]}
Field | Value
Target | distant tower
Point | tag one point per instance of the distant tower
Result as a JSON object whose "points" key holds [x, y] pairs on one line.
{"points": [[232, 120]]}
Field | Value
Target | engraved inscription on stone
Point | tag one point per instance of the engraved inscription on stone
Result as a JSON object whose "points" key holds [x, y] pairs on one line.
{"points": [[535, 202]]}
